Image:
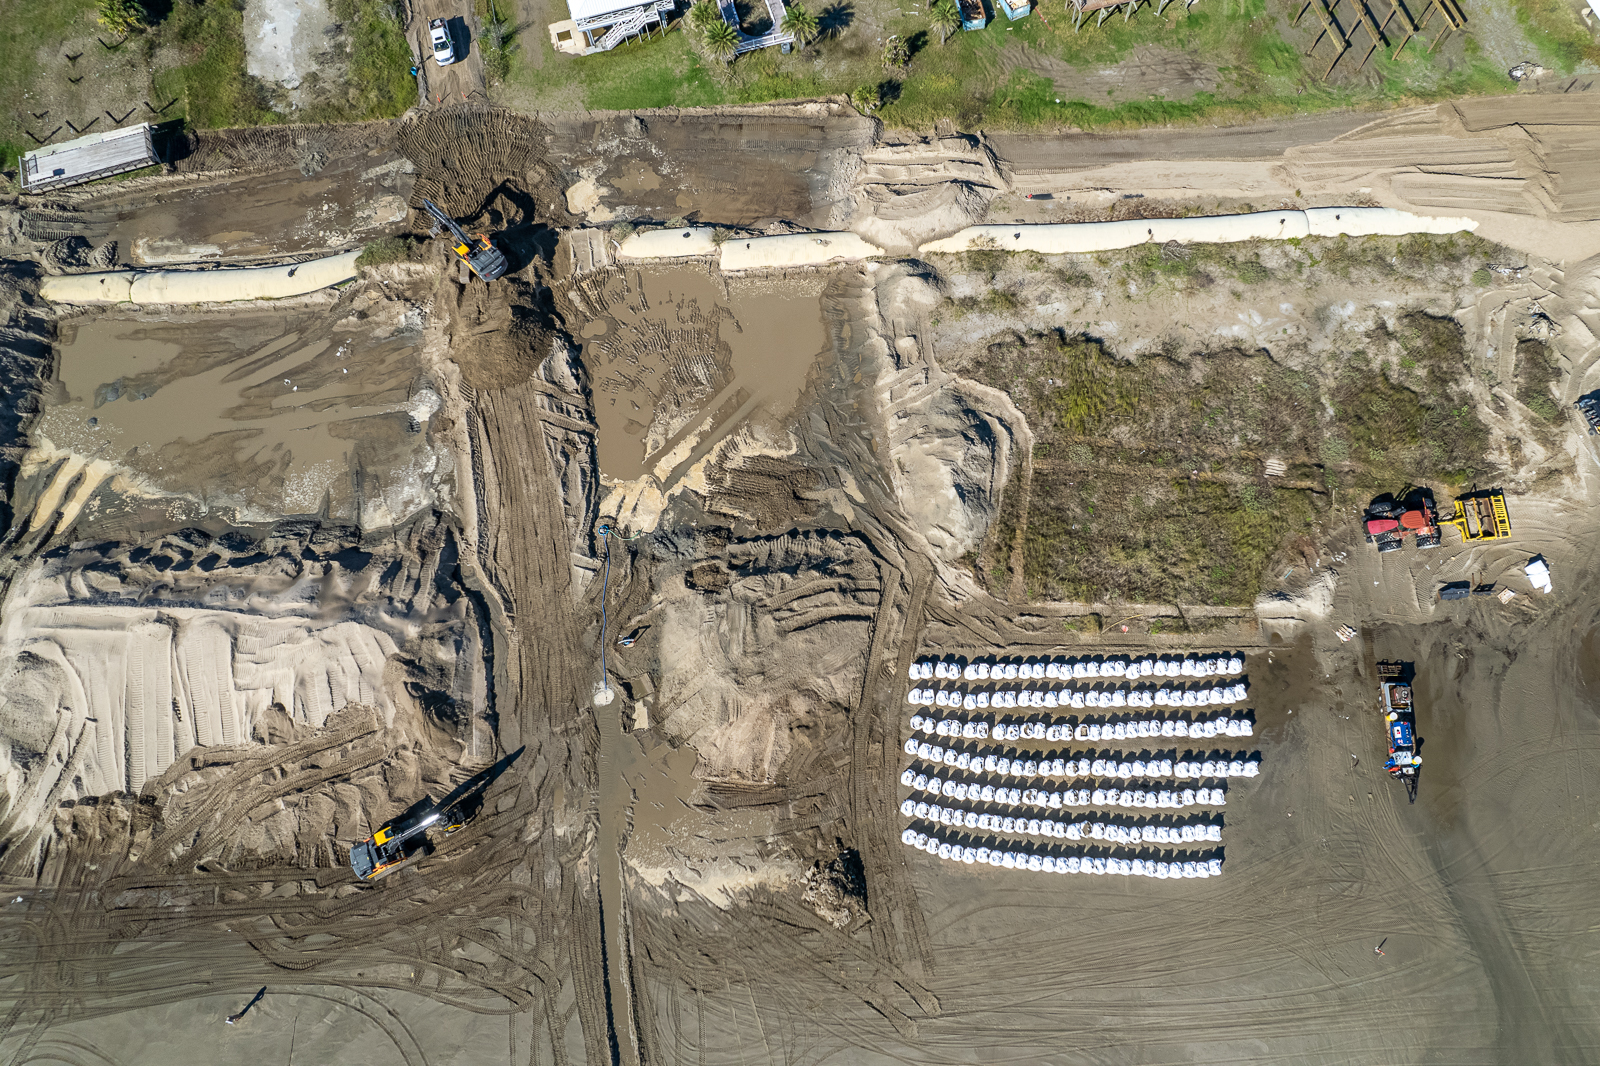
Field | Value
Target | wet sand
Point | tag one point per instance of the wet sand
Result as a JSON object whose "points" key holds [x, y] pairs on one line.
{"points": [[259, 413], [680, 361]]}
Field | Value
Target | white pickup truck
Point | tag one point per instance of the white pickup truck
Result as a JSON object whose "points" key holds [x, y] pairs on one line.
{"points": [[444, 49]]}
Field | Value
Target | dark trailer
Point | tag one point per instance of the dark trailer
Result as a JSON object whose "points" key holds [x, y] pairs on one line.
{"points": [[1400, 723]]}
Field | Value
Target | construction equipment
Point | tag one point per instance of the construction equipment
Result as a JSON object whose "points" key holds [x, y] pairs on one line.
{"points": [[420, 827], [1389, 521], [1481, 516], [1400, 723], [480, 255], [1589, 407]]}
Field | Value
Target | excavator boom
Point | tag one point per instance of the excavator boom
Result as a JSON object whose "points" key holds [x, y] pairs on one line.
{"points": [[404, 836], [480, 255]]}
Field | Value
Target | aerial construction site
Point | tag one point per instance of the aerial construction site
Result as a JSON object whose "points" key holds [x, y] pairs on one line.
{"points": [[753, 585]]}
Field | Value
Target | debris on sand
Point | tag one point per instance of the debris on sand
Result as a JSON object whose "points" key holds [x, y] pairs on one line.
{"points": [[837, 889]]}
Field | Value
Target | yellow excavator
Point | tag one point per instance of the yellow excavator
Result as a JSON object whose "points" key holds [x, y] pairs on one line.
{"points": [[484, 259], [418, 829]]}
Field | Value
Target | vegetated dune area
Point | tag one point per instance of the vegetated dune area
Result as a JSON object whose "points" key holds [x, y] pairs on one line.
{"points": [[935, 629]]}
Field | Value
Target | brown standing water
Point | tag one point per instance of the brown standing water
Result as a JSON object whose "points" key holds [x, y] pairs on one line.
{"points": [[681, 359], [265, 411]]}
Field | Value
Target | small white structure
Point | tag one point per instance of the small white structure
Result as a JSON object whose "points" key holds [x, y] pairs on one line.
{"points": [[601, 25], [95, 155], [1538, 572]]}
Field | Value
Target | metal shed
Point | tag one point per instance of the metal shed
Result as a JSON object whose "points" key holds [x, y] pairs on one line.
{"points": [[97, 155]]}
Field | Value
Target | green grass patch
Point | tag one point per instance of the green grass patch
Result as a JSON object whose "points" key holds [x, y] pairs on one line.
{"points": [[1146, 480], [985, 78], [995, 301], [1537, 370], [380, 62], [386, 250], [1555, 28], [26, 30], [1405, 422], [661, 71], [211, 82]]}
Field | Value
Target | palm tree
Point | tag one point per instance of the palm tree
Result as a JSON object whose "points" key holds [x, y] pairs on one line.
{"points": [[946, 19], [721, 40], [702, 14], [896, 53], [799, 23]]}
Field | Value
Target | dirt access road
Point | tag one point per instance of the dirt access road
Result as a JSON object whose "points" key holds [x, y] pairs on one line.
{"points": [[463, 80], [707, 868]]}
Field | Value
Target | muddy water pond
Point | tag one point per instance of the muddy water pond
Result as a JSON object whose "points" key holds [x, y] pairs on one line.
{"points": [[680, 359], [258, 415]]}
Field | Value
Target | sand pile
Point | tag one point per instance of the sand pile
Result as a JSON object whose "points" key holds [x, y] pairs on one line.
{"points": [[193, 640]]}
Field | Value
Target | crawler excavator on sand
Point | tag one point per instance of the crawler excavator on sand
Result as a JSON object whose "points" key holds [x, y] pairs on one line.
{"points": [[418, 829], [480, 254]]}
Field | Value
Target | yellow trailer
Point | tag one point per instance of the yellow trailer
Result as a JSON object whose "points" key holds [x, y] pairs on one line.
{"points": [[1481, 516]]}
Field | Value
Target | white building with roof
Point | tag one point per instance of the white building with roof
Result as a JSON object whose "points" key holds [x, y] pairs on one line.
{"points": [[97, 155], [601, 25]]}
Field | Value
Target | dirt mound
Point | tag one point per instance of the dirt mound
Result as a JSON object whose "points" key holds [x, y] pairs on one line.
{"points": [[271, 147], [503, 338], [159, 658], [27, 329], [474, 162], [837, 889]]}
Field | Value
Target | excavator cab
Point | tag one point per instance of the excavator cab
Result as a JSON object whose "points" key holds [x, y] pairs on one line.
{"points": [[424, 824], [481, 256], [395, 841]]}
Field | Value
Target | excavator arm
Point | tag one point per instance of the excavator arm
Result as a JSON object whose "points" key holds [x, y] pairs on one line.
{"points": [[484, 259]]}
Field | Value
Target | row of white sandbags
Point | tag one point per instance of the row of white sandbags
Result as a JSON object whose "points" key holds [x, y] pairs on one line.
{"points": [[1021, 798], [995, 761], [1065, 730], [1188, 833], [1070, 864], [1068, 669], [1087, 697]]}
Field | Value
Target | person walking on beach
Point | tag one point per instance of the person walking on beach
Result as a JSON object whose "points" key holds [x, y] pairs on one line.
{"points": [[230, 1019]]}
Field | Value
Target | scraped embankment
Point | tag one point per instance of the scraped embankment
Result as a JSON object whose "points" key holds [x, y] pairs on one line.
{"points": [[193, 642]]}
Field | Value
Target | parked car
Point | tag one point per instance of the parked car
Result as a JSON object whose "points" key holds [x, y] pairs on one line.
{"points": [[444, 49]]}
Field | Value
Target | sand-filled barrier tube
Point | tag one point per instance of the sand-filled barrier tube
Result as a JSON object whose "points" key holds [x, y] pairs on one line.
{"points": [[1082, 237], [794, 250], [201, 286], [669, 243]]}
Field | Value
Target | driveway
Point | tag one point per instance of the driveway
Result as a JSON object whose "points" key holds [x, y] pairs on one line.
{"points": [[460, 80]]}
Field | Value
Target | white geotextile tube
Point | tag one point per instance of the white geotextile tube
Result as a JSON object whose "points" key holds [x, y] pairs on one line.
{"points": [[1124, 766], [669, 243], [1080, 237], [1191, 832], [1025, 858], [1031, 800], [1074, 728], [794, 250], [200, 286]]}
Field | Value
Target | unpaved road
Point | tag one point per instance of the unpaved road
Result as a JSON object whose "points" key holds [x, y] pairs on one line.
{"points": [[462, 80], [708, 869]]}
